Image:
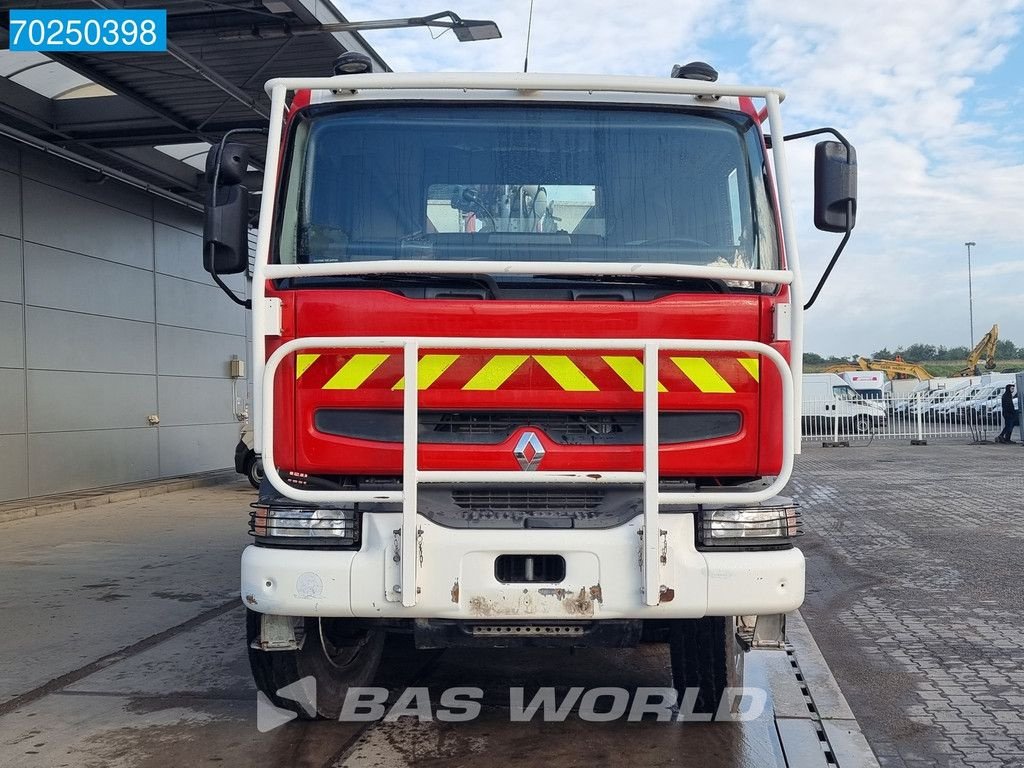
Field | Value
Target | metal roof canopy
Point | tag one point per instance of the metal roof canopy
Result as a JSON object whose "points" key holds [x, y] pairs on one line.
{"points": [[210, 80]]}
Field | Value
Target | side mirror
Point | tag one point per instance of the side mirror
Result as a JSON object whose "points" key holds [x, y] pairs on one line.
{"points": [[228, 166], [835, 187], [226, 232]]}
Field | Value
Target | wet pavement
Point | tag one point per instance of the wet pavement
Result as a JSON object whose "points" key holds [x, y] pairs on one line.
{"points": [[914, 595], [125, 648]]}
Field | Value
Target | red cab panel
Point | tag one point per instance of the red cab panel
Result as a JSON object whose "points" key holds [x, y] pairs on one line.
{"points": [[720, 410]]}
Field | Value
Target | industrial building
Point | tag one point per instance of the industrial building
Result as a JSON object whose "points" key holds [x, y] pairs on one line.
{"points": [[116, 348]]}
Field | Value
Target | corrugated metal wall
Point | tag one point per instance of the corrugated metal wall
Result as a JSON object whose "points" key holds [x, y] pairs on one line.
{"points": [[107, 317]]}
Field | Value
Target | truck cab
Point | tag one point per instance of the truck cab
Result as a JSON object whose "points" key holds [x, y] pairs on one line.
{"points": [[528, 357], [870, 385]]}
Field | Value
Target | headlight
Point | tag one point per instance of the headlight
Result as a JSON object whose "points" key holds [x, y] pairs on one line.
{"points": [[766, 525], [303, 526]]}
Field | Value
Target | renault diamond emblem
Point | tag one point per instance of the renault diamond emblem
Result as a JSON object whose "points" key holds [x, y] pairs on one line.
{"points": [[529, 451]]}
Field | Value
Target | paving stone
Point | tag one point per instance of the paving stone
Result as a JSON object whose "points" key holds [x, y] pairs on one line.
{"points": [[914, 595]]}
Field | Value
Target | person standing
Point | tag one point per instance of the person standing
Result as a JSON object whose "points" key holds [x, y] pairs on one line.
{"points": [[1009, 416]]}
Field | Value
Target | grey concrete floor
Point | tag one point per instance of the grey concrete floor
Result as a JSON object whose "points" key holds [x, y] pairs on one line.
{"points": [[84, 584], [124, 646]]}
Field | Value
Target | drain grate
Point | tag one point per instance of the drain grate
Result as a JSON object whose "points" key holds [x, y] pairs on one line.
{"points": [[815, 717]]}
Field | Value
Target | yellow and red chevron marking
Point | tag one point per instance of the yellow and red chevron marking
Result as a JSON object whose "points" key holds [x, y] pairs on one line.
{"points": [[490, 372]]}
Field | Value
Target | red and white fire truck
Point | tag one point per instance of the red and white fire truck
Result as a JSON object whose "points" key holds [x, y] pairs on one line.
{"points": [[527, 353]]}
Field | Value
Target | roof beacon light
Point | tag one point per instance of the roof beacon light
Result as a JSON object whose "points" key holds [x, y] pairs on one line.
{"points": [[696, 70], [352, 63]]}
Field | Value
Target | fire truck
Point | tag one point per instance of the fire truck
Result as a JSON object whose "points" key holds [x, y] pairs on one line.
{"points": [[527, 357]]}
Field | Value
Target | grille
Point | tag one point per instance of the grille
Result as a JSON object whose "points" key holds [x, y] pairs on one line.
{"points": [[527, 500], [555, 423], [494, 427]]}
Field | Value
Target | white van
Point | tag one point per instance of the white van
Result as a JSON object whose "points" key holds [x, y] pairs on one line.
{"points": [[827, 397], [871, 385]]}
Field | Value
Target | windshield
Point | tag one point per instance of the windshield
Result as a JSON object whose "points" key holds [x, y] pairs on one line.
{"points": [[844, 393], [526, 183]]}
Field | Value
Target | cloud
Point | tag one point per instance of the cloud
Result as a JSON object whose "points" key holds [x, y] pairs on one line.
{"points": [[897, 78], [914, 86], [601, 36]]}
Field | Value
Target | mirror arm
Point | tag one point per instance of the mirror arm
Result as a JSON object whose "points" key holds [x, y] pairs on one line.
{"points": [[849, 203], [835, 256], [220, 150], [816, 132], [247, 303]]}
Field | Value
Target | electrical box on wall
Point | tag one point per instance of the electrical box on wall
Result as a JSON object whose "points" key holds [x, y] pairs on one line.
{"points": [[236, 368]]}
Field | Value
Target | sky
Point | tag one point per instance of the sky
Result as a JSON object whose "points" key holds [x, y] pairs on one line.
{"points": [[930, 93]]}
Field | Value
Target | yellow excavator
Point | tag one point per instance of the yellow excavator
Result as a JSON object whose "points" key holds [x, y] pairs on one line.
{"points": [[985, 348], [898, 369], [894, 369]]}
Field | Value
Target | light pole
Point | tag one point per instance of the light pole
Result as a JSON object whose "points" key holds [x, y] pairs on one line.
{"points": [[970, 289], [466, 30]]}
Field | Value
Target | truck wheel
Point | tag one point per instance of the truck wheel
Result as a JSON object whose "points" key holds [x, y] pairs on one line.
{"points": [[862, 424], [254, 471], [707, 656], [347, 657]]}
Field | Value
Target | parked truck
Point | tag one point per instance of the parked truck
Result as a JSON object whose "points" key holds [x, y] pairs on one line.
{"points": [[527, 352], [870, 385]]}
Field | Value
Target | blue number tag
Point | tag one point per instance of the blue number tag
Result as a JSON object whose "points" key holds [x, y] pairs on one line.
{"points": [[87, 30]]}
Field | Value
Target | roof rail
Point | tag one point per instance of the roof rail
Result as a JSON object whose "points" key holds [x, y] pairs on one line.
{"points": [[525, 83]]}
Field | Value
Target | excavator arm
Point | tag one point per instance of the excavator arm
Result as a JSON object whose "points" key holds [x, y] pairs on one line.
{"points": [[892, 368], [985, 348]]}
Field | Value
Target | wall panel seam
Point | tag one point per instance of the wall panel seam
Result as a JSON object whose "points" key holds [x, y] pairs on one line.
{"points": [[24, 313], [88, 256], [90, 314], [156, 335], [112, 206], [202, 330]]}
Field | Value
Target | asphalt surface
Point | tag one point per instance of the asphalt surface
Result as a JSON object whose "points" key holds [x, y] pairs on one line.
{"points": [[123, 645], [914, 574]]}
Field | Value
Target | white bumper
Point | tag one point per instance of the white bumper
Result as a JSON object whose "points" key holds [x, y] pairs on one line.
{"points": [[456, 579]]}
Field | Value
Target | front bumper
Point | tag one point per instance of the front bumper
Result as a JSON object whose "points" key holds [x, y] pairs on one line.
{"points": [[456, 576]]}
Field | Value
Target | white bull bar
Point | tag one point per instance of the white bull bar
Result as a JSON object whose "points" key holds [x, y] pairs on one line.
{"points": [[412, 475]]}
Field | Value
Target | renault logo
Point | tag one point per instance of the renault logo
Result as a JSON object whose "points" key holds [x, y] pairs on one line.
{"points": [[529, 451]]}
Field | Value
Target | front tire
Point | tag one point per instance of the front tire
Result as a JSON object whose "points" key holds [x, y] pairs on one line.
{"points": [[347, 657], [705, 655], [254, 471]]}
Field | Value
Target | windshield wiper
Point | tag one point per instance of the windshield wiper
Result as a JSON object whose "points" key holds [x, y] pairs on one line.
{"points": [[718, 286], [484, 281]]}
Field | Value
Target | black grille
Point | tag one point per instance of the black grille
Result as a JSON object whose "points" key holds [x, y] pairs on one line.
{"points": [[562, 427], [529, 506], [556, 424], [526, 500]]}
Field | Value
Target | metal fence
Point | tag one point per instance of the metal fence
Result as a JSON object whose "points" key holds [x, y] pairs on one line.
{"points": [[917, 416]]}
